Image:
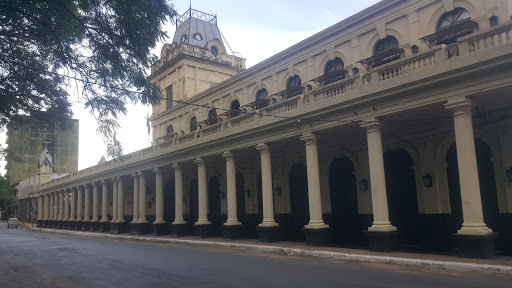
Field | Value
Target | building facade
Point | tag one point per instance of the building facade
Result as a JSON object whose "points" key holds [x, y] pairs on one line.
{"points": [[391, 128]]}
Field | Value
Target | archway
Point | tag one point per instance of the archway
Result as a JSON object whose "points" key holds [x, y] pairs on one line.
{"points": [[260, 199], [169, 202], [299, 201], [240, 197], [401, 194], [487, 180], [214, 211], [193, 203], [343, 190]]}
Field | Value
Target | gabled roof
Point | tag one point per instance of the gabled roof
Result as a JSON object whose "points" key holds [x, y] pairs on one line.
{"points": [[45, 155], [102, 160]]}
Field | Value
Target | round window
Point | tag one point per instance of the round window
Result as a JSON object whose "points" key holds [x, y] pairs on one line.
{"points": [[214, 51], [184, 37], [198, 36]]}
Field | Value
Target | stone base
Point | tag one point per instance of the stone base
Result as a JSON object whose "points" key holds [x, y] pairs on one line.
{"points": [[50, 223], [231, 232], [104, 226], [382, 240], [78, 225], [65, 224], [476, 246], [202, 231], [317, 237], [86, 226], [95, 226], [139, 228], [118, 227], [160, 229], [269, 234], [71, 225], [59, 224], [39, 223], [179, 230]]}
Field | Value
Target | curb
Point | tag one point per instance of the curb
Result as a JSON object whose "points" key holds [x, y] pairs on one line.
{"points": [[458, 266]]}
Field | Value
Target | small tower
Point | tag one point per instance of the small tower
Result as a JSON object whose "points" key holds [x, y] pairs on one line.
{"points": [[45, 167]]}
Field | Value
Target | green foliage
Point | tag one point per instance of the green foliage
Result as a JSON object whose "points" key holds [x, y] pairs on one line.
{"points": [[7, 193], [100, 46]]}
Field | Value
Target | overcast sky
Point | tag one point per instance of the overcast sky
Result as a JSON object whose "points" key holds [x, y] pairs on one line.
{"points": [[257, 29]]}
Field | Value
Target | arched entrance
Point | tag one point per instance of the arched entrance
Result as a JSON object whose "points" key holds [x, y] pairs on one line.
{"points": [[240, 197], [401, 194], [193, 203], [299, 201], [343, 189], [260, 199], [169, 203], [214, 212], [487, 180]]}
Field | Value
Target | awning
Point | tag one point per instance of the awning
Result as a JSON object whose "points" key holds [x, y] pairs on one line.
{"points": [[455, 30], [258, 103], [340, 73], [290, 92], [381, 56]]}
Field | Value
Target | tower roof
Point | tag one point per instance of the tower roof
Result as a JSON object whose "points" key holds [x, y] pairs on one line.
{"points": [[45, 155], [196, 28]]}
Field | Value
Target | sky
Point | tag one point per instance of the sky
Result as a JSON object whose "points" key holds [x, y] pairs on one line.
{"points": [[256, 29]]}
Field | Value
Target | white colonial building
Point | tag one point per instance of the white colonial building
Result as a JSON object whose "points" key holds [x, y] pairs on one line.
{"points": [[392, 128]]}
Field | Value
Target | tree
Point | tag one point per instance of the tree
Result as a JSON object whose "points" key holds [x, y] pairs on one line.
{"points": [[101, 47], [7, 194]]}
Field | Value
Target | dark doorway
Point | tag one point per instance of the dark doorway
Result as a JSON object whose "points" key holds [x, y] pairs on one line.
{"points": [[214, 212], [193, 203], [342, 183], [240, 197], [401, 194], [299, 201], [169, 203], [260, 199], [486, 176]]}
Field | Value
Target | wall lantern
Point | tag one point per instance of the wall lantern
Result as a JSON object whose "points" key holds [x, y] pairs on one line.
{"points": [[428, 180], [509, 174], [278, 191], [363, 185], [247, 193], [355, 70], [415, 49], [222, 195]]}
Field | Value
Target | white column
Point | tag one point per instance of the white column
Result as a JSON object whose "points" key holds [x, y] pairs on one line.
{"points": [[266, 185], [377, 177], [114, 198], [66, 205], [231, 189], [159, 197], [468, 170], [87, 200], [52, 209], [56, 206], [95, 202], [73, 204], [61, 205], [142, 198], [315, 199], [178, 194], [135, 197], [202, 192], [79, 206], [40, 208], [120, 200], [104, 201]]}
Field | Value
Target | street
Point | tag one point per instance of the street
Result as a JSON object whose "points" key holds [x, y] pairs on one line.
{"points": [[37, 259]]}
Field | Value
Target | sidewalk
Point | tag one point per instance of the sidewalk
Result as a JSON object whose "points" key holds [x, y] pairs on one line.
{"points": [[497, 265]]}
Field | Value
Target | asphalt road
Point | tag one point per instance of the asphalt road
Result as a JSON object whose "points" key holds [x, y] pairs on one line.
{"points": [[37, 259]]}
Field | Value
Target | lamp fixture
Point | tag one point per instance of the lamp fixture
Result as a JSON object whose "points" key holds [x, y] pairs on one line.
{"points": [[247, 193], [428, 180], [222, 195], [363, 185], [278, 191]]}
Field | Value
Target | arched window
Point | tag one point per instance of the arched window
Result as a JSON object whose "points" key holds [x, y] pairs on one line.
{"points": [[212, 117], [453, 17], [332, 70], [234, 108], [169, 130], [260, 97], [384, 45], [193, 124], [214, 51], [293, 86]]}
